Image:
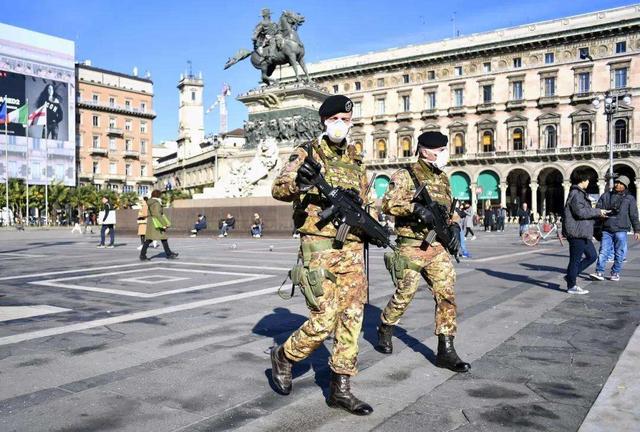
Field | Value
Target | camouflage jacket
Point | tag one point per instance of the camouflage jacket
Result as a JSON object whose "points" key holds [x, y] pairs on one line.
{"points": [[397, 199], [340, 167]]}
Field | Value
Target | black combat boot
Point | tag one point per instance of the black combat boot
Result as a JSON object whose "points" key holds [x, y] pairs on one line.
{"points": [[281, 370], [340, 396], [447, 357], [385, 334]]}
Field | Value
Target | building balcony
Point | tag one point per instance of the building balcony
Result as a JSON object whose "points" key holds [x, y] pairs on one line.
{"points": [[429, 114], [548, 101], [516, 104], [379, 119], [404, 116], [115, 108], [113, 131], [358, 121], [131, 154], [98, 151], [456, 111], [391, 162], [582, 98], [485, 108]]}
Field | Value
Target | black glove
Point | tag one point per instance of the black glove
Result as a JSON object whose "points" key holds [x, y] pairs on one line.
{"points": [[307, 174], [353, 194], [423, 213], [454, 239]]}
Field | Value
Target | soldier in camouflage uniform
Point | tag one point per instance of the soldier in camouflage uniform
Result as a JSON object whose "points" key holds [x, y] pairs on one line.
{"points": [[413, 221], [334, 273]]}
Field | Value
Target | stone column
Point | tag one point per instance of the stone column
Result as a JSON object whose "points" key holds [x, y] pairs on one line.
{"points": [[566, 185], [474, 197], [503, 194], [534, 197], [601, 186], [543, 200]]}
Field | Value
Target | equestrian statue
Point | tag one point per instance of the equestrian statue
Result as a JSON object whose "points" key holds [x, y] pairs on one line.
{"points": [[275, 44]]}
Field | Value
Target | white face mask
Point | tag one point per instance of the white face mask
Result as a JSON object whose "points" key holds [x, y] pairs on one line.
{"points": [[337, 130], [442, 159]]}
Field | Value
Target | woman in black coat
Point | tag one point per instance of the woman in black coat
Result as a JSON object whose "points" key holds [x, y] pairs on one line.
{"points": [[577, 227]]}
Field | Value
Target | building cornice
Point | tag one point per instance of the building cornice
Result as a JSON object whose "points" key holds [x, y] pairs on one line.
{"points": [[581, 28]]}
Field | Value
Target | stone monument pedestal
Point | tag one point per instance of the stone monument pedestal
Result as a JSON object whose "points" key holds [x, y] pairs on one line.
{"points": [[280, 117]]}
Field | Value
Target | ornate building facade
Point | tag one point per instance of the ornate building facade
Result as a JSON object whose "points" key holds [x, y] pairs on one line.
{"points": [[515, 103], [115, 130]]}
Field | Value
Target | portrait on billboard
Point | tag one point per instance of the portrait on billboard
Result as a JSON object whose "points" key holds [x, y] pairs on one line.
{"points": [[47, 99]]}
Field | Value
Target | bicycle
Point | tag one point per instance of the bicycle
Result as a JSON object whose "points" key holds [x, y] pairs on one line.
{"points": [[535, 233]]}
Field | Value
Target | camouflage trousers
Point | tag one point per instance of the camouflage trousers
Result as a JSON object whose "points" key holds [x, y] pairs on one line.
{"points": [[340, 310], [440, 275]]}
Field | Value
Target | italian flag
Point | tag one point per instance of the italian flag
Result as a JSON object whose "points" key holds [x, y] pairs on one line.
{"points": [[19, 115], [39, 116]]}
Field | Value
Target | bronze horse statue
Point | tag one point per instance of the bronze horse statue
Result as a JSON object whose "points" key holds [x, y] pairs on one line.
{"points": [[289, 49]]}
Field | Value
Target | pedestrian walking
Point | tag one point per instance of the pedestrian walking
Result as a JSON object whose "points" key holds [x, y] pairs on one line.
{"points": [[524, 218], [460, 217], [335, 278], [157, 225], [410, 261], [577, 227], [623, 216], [107, 218], [143, 214], [469, 221]]}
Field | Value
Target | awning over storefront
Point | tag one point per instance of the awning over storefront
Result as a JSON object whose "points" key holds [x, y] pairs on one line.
{"points": [[380, 185], [488, 185], [460, 186]]}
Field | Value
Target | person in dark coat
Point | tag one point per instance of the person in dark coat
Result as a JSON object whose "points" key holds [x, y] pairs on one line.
{"points": [[623, 216], [577, 227], [201, 224], [524, 218], [156, 212]]}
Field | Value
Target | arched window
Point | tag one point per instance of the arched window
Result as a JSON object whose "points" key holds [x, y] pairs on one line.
{"points": [[518, 139], [381, 148], [621, 132], [458, 143], [359, 147], [487, 142], [584, 131], [405, 147], [550, 137]]}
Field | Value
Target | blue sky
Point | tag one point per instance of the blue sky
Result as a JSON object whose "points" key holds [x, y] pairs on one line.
{"points": [[160, 36]]}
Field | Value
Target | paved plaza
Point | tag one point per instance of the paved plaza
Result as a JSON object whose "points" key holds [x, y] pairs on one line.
{"points": [[95, 340]]}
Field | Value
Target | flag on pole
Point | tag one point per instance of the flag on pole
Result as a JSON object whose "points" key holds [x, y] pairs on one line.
{"points": [[19, 115], [38, 117]]}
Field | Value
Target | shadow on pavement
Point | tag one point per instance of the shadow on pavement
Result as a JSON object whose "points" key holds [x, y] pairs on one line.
{"points": [[370, 328], [521, 278]]}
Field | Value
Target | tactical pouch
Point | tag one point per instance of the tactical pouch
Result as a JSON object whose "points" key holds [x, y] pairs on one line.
{"points": [[310, 283], [396, 264]]}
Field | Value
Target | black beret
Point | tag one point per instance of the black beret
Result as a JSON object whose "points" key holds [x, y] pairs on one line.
{"points": [[432, 140], [335, 104]]}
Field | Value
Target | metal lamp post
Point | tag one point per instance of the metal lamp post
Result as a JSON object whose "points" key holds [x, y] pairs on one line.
{"points": [[611, 106]]}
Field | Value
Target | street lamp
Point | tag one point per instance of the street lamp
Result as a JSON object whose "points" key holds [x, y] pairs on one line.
{"points": [[611, 105]]}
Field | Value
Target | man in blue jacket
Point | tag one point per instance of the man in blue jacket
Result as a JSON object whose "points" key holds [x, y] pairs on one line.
{"points": [[623, 215]]}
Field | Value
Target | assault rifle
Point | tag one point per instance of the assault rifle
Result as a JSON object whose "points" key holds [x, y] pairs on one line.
{"points": [[345, 213], [441, 217]]}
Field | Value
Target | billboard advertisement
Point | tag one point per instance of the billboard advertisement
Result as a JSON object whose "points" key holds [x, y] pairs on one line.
{"points": [[37, 82]]}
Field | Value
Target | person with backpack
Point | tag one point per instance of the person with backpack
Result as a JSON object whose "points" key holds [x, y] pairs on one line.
{"points": [[577, 227]]}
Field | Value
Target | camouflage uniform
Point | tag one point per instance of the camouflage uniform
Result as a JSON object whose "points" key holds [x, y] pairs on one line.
{"points": [[340, 308], [434, 262]]}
